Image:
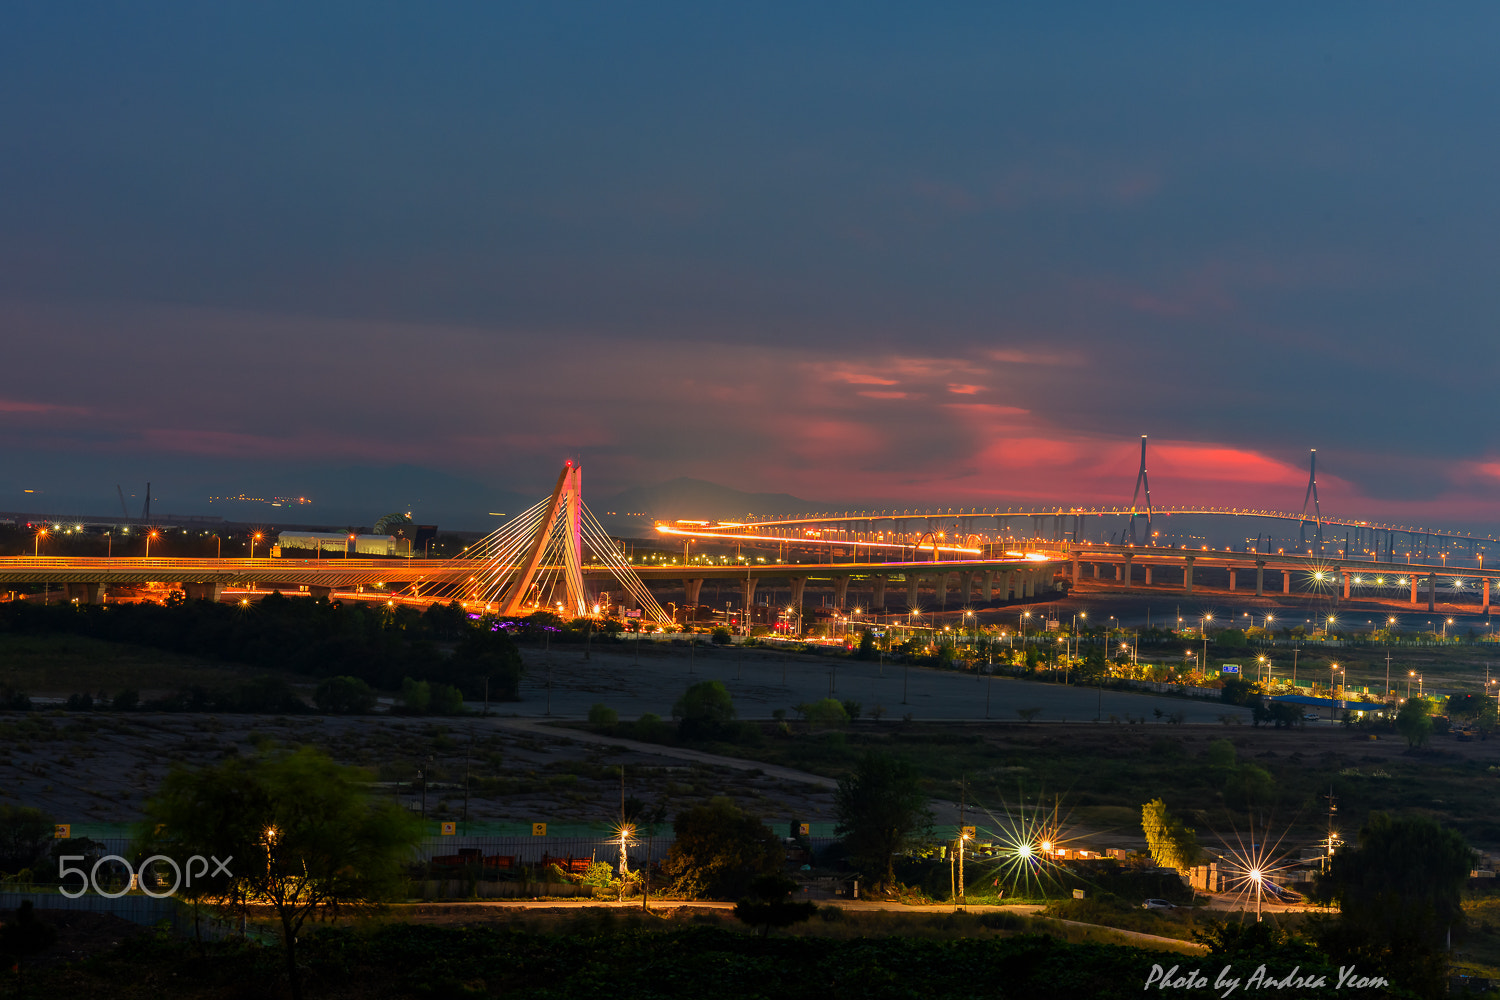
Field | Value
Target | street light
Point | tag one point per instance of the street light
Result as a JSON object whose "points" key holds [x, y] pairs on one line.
{"points": [[149, 535], [36, 542], [253, 539]]}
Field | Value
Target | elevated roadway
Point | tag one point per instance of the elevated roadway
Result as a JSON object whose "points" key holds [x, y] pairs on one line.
{"points": [[84, 579]]}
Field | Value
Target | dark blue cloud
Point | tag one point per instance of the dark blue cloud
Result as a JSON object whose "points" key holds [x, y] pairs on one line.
{"points": [[1268, 227]]}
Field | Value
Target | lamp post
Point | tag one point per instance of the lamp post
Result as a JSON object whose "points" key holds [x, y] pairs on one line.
{"points": [[36, 542], [149, 535], [1333, 668], [253, 539]]}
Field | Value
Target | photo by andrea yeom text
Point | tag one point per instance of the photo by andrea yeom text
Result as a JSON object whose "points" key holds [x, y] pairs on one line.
{"points": [[1226, 982]]}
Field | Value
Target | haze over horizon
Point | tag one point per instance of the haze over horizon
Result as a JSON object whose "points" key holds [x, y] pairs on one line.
{"points": [[414, 258]]}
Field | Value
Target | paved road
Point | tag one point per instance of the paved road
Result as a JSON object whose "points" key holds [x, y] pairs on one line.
{"points": [[538, 727]]}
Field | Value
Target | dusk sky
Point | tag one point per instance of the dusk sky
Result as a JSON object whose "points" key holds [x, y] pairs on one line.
{"points": [[416, 255]]}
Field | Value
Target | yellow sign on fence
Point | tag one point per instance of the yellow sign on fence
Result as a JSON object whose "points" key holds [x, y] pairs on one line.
{"points": [[62, 831], [539, 829], [450, 829]]}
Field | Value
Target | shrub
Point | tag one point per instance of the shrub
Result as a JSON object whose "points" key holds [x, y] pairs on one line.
{"points": [[344, 696], [704, 710], [602, 715], [416, 696], [721, 636]]}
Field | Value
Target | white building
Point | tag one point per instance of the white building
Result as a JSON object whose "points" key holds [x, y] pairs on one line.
{"points": [[332, 543]]}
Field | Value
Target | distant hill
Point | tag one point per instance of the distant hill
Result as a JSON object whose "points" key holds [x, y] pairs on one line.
{"points": [[683, 497]]}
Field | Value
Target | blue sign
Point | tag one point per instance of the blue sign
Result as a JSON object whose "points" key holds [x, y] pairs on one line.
{"points": [[1231, 668]]}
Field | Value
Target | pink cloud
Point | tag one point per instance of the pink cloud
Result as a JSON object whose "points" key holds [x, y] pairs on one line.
{"points": [[862, 378], [1015, 356]]}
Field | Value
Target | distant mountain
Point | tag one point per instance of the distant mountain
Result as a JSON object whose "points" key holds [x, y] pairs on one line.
{"points": [[683, 497]]}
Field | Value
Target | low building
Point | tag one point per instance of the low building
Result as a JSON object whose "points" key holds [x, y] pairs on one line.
{"points": [[298, 544]]}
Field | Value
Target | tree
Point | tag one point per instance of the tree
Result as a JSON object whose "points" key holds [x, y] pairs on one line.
{"points": [[344, 696], [485, 662], [25, 936], [719, 849], [1414, 721], [827, 712], [769, 904], [1281, 714], [304, 837], [394, 523], [1248, 786], [1171, 842], [704, 710], [1399, 896], [881, 810], [1236, 690], [24, 834]]}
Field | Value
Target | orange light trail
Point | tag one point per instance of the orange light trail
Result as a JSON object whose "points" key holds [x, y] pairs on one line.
{"points": [[812, 541]]}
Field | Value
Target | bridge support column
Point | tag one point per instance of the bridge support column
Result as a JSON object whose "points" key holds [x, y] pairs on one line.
{"points": [[690, 591], [989, 586], [1431, 591], [1147, 568], [1414, 589], [912, 583], [1187, 575], [1485, 607], [1286, 582], [797, 583], [1128, 573], [840, 591], [84, 593], [1096, 571], [1260, 578], [747, 593], [1118, 574], [1077, 568], [966, 586], [1231, 578], [210, 591], [1346, 586], [1031, 582], [324, 592]]}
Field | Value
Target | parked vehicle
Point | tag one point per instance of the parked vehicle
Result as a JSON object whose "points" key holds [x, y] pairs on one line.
{"points": [[1158, 904]]}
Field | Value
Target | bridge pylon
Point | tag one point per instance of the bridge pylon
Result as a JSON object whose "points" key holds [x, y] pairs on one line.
{"points": [[535, 562], [1142, 482], [1311, 495]]}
